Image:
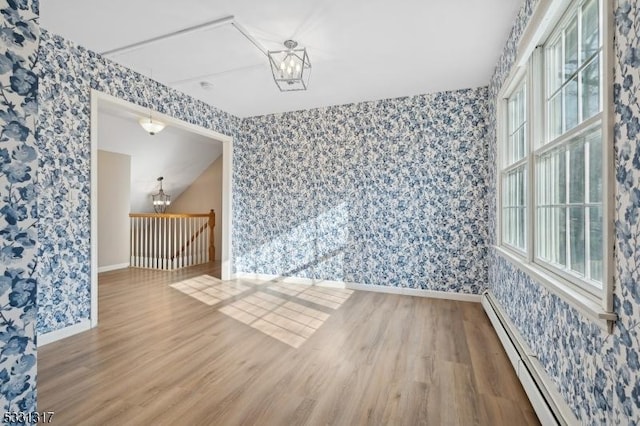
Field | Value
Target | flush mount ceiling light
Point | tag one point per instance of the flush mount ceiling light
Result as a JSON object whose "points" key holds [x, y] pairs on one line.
{"points": [[290, 68], [150, 125], [161, 200]]}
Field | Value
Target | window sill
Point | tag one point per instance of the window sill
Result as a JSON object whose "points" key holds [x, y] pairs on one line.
{"points": [[588, 306]]}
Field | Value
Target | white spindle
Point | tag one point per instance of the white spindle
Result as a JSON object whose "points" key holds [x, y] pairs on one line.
{"points": [[147, 229], [187, 247], [147, 250], [188, 242], [164, 244], [131, 240], [152, 246], [172, 236], [196, 243], [159, 242], [132, 243], [139, 246], [199, 242], [154, 242], [156, 238], [144, 243], [138, 240], [203, 238], [182, 232]]}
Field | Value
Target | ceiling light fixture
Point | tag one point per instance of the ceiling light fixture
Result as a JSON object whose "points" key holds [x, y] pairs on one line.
{"points": [[150, 125], [161, 200], [291, 67]]}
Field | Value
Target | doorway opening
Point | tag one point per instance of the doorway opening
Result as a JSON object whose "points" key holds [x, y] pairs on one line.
{"points": [[101, 102]]}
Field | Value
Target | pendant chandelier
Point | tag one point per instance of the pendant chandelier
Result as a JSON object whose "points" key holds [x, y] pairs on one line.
{"points": [[161, 200], [291, 67]]}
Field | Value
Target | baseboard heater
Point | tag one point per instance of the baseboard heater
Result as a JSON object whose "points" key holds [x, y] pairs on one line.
{"points": [[549, 406]]}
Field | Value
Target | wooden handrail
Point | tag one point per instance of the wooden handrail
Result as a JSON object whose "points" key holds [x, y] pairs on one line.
{"points": [[171, 215]]}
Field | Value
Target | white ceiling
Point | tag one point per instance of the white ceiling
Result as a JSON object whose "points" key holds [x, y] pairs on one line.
{"points": [[359, 49], [177, 155]]}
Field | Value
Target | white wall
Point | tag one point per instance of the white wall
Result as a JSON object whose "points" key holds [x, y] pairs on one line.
{"points": [[204, 194], [114, 189]]}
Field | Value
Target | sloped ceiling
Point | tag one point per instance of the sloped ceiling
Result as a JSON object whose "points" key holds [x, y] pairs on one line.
{"points": [[177, 155], [359, 49]]}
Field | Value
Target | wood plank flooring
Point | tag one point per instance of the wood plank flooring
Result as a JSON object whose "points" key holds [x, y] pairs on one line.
{"points": [[162, 356]]}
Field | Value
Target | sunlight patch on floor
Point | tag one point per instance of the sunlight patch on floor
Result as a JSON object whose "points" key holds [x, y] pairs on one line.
{"points": [[209, 290], [287, 318], [324, 296], [290, 322]]}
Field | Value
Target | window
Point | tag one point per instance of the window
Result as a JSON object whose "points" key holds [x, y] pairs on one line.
{"points": [[569, 198], [515, 171], [554, 150]]}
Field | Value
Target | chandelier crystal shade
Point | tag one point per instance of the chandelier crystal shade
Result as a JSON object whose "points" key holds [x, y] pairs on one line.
{"points": [[291, 67], [161, 200]]}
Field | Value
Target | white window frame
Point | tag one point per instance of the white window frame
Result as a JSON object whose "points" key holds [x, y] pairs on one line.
{"points": [[520, 78], [548, 16]]}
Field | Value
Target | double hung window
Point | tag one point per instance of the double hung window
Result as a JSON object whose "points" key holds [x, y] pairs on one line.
{"points": [[554, 147]]}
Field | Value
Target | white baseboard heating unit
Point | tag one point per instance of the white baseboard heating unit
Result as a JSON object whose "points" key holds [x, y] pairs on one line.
{"points": [[545, 399]]}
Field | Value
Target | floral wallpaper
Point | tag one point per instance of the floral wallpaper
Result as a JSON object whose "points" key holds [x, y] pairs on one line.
{"points": [[67, 74], [597, 374], [389, 193], [381, 193], [18, 213]]}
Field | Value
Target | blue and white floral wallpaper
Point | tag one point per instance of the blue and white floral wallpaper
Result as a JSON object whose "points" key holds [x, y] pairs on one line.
{"points": [[395, 192], [67, 74], [389, 193], [18, 212], [597, 374]]}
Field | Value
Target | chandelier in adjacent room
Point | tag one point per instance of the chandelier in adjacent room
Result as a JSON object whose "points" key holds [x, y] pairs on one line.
{"points": [[161, 200]]}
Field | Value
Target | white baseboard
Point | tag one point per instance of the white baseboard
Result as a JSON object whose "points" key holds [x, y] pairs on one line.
{"points": [[112, 267], [53, 336], [547, 402], [449, 295], [290, 280], [364, 287]]}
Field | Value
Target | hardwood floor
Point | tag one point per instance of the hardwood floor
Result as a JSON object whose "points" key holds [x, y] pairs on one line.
{"points": [[207, 352]]}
